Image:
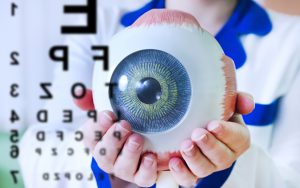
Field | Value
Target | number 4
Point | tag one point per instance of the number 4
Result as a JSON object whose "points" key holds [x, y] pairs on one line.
{"points": [[14, 116]]}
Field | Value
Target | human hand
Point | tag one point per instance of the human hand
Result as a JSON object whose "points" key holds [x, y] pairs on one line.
{"points": [[213, 148], [119, 152]]}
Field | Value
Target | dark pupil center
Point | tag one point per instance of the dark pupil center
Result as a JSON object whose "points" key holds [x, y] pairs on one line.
{"points": [[148, 90]]}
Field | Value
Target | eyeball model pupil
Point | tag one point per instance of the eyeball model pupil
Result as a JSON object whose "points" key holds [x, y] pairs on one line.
{"points": [[148, 90]]}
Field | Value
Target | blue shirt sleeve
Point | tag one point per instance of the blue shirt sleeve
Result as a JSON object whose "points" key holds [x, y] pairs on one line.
{"points": [[101, 177], [215, 180]]}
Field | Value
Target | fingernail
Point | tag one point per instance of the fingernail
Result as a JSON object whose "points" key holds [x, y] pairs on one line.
{"points": [[133, 146], [177, 166], [148, 162], [199, 136], [203, 138], [120, 128], [250, 97], [214, 126], [188, 149], [107, 117], [251, 100]]}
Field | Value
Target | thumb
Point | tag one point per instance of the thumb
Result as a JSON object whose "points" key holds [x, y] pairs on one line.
{"points": [[245, 103], [86, 102]]}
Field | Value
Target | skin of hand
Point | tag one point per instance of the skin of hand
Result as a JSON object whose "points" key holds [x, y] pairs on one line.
{"points": [[213, 148], [208, 150], [123, 155]]}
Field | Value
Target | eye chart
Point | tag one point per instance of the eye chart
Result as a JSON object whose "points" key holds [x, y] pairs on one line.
{"points": [[39, 122]]}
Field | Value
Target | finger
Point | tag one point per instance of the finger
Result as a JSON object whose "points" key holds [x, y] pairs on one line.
{"points": [[181, 173], [107, 150], [128, 160], [233, 135], [85, 103], [195, 160], [93, 131], [163, 159], [217, 152], [245, 103], [147, 172]]}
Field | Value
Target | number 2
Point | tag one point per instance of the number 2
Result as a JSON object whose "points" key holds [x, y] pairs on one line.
{"points": [[14, 59]]}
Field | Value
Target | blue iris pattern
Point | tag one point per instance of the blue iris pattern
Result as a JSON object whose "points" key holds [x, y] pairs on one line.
{"points": [[152, 91]]}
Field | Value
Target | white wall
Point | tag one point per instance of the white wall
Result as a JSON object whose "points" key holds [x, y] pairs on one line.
{"points": [[34, 29]]}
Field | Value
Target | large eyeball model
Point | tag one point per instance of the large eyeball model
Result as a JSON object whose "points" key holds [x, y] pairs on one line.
{"points": [[170, 77]]}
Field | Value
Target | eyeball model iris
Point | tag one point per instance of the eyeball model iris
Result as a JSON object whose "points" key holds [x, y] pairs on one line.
{"points": [[153, 91], [170, 76]]}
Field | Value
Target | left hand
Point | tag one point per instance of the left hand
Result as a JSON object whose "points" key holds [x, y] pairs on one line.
{"points": [[215, 148]]}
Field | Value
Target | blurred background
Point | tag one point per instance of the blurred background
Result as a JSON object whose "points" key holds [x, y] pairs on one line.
{"points": [[28, 36]]}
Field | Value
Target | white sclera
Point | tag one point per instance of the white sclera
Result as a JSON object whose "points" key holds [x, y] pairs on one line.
{"points": [[201, 56]]}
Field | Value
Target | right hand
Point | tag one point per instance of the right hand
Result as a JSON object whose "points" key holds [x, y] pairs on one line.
{"points": [[122, 154]]}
